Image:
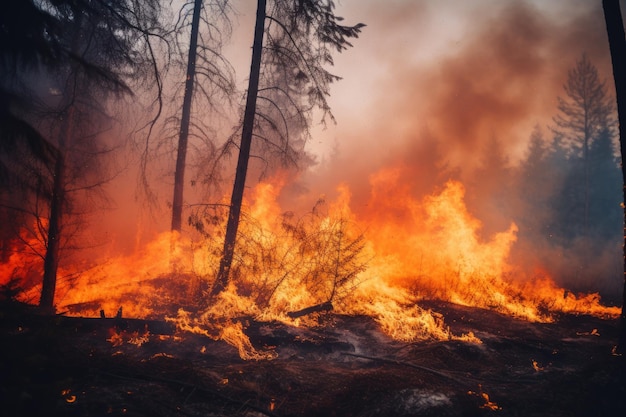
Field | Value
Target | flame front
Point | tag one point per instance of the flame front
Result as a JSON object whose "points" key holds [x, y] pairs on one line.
{"points": [[380, 261]]}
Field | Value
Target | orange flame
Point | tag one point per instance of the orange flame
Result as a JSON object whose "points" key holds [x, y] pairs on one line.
{"points": [[379, 262]]}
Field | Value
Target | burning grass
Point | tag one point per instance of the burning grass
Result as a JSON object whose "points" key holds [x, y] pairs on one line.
{"points": [[371, 264]]}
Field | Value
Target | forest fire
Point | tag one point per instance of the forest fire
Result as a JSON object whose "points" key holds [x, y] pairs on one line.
{"points": [[179, 237], [412, 250]]}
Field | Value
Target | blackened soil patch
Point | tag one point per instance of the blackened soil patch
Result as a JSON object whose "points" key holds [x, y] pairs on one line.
{"points": [[346, 367]]}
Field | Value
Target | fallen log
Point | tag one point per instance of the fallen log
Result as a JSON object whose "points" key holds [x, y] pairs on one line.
{"points": [[327, 306], [88, 324], [26, 319]]}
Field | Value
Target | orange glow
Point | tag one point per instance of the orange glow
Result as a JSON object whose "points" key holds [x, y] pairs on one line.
{"points": [[488, 404], [379, 262], [68, 396], [431, 247], [115, 338], [141, 283], [25, 262]]}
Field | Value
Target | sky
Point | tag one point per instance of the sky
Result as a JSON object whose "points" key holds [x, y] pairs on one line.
{"points": [[460, 70], [430, 83], [441, 76]]}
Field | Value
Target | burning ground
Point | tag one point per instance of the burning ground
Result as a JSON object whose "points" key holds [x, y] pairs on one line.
{"points": [[343, 366], [493, 344]]}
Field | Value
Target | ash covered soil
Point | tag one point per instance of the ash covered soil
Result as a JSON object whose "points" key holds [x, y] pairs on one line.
{"points": [[346, 367]]}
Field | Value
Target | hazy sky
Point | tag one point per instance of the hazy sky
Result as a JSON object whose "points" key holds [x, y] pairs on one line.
{"points": [[462, 71], [429, 83]]}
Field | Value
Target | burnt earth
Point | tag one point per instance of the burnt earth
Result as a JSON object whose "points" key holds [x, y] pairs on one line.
{"points": [[346, 367]]}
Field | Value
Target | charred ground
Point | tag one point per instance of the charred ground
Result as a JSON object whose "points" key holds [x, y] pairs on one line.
{"points": [[345, 367]]}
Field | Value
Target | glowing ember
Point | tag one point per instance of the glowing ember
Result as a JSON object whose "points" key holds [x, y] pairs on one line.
{"points": [[68, 396], [488, 404]]}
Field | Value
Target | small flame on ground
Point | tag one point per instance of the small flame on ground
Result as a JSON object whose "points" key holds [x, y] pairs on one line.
{"points": [[593, 332], [118, 338], [115, 339], [488, 404]]}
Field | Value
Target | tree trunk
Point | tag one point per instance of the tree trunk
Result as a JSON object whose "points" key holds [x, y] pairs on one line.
{"points": [[244, 154], [55, 221], [179, 176], [586, 185], [617, 44]]}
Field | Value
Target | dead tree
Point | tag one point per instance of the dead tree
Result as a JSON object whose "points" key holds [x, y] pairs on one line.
{"points": [[179, 176], [209, 74]]}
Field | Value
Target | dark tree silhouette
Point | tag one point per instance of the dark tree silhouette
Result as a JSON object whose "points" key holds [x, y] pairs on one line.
{"points": [[605, 183], [179, 176], [583, 114], [101, 38], [28, 38], [244, 153], [617, 44], [216, 71], [300, 36], [537, 179], [88, 49]]}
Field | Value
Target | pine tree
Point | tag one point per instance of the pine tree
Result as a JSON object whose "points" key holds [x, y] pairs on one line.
{"points": [[586, 111]]}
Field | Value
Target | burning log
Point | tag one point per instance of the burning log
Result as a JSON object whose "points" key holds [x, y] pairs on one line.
{"points": [[327, 306]]}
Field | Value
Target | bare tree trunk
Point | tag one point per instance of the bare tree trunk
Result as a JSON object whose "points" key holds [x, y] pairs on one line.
{"points": [[617, 44], [179, 176], [55, 221], [586, 185], [244, 154]]}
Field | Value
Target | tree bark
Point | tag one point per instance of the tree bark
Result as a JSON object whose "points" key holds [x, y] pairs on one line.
{"points": [[617, 44], [55, 220], [179, 175], [234, 213]]}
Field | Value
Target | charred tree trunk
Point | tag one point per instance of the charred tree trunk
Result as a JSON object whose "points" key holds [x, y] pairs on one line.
{"points": [[179, 176], [244, 154], [55, 220], [617, 44]]}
